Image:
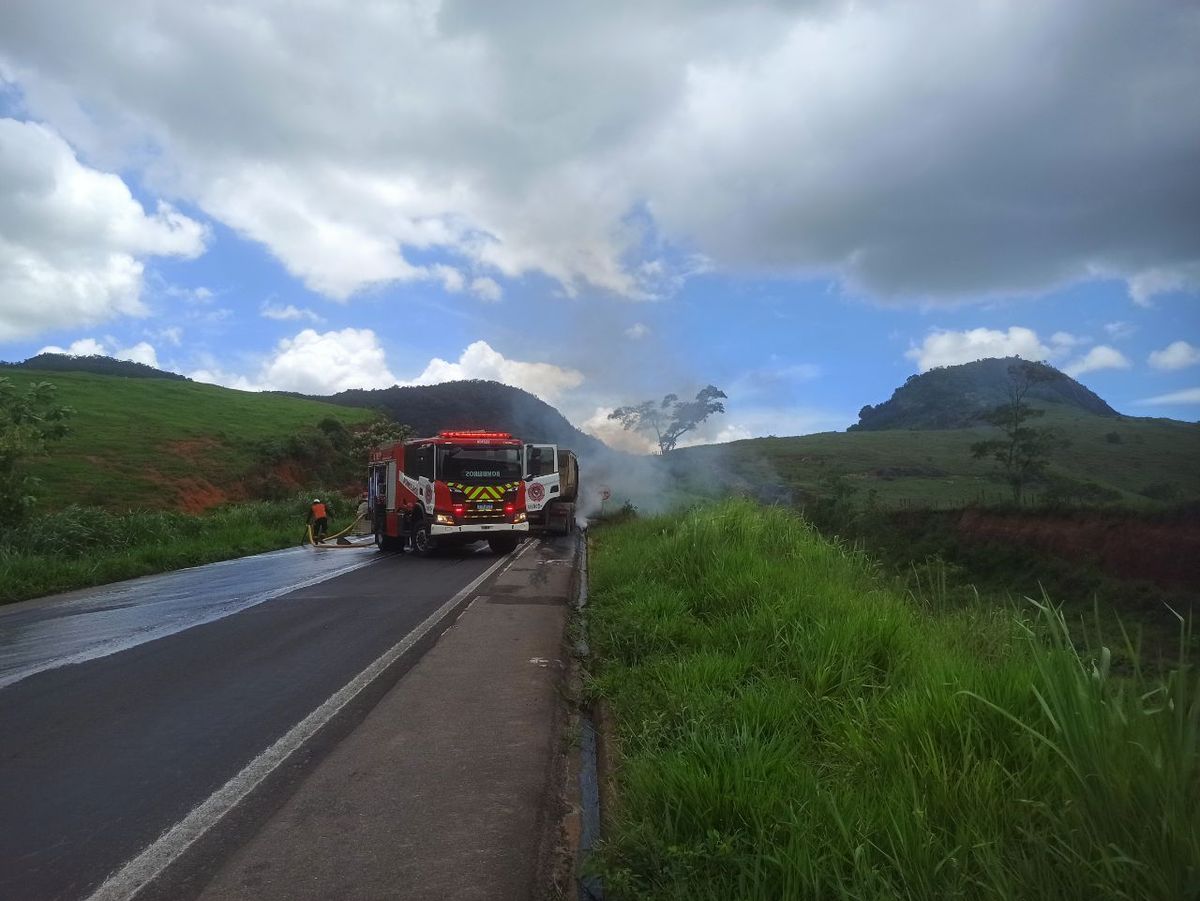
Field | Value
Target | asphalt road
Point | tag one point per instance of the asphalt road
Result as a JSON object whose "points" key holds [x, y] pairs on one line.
{"points": [[206, 669]]}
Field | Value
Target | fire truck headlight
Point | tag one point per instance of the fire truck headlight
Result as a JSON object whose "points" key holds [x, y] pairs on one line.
{"points": [[444, 519], [519, 517]]}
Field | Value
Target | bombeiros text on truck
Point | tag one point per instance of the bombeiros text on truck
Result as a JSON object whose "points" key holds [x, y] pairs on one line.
{"points": [[465, 486]]}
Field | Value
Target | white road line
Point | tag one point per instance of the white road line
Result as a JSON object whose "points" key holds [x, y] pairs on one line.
{"points": [[148, 865], [124, 643]]}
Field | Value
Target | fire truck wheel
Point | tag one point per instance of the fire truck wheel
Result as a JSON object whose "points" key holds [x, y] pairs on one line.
{"points": [[422, 541], [503, 544], [387, 542]]}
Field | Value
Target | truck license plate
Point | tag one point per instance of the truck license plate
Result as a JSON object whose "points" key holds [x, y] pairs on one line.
{"points": [[482, 507]]}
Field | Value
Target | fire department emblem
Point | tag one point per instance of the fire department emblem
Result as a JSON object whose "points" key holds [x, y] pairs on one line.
{"points": [[537, 491], [429, 494]]}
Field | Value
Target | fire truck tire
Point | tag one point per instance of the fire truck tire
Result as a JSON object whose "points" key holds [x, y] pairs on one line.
{"points": [[388, 543], [503, 544], [423, 543]]}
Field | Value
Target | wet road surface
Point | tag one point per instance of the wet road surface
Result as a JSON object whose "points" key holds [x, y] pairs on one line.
{"points": [[100, 757], [82, 625]]}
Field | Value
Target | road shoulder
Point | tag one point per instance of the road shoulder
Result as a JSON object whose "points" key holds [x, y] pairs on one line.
{"points": [[450, 786]]}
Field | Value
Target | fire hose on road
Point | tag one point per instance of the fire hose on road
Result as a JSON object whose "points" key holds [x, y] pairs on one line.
{"points": [[339, 541]]}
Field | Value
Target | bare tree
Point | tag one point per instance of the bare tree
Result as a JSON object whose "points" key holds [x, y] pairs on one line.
{"points": [[671, 418]]}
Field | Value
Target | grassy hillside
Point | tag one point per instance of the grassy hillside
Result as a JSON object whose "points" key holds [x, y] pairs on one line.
{"points": [[787, 724], [934, 467], [163, 443]]}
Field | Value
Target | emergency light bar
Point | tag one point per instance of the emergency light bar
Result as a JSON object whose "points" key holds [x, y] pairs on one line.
{"points": [[475, 434]]}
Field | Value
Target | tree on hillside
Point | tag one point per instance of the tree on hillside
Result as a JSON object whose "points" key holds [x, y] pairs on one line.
{"points": [[1023, 453], [671, 418], [29, 420], [380, 430]]}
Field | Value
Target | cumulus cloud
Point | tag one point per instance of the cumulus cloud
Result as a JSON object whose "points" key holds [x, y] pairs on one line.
{"points": [[481, 361], [1099, 357], [142, 352], [288, 313], [325, 363], [1176, 355], [946, 347], [1186, 396], [788, 137], [637, 331], [486, 289], [72, 238], [949, 348]]}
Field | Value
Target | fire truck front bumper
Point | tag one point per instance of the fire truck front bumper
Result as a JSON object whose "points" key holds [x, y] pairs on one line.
{"points": [[479, 528]]}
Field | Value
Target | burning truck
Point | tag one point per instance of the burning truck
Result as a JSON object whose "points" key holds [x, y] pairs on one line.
{"points": [[465, 486]]}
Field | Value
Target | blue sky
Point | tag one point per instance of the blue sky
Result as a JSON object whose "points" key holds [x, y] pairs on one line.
{"points": [[783, 201]]}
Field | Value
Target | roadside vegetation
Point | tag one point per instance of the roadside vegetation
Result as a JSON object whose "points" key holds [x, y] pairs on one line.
{"points": [[789, 723], [77, 547], [171, 444]]}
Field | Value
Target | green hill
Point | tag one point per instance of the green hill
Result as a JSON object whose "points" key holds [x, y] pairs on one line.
{"points": [[95, 364], [165, 443], [952, 397], [1136, 459], [473, 404]]}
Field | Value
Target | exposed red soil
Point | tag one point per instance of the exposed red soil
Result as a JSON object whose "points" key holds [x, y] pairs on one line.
{"points": [[1166, 553], [192, 448]]}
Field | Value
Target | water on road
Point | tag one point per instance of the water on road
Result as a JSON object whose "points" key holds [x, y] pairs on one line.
{"points": [[82, 625]]}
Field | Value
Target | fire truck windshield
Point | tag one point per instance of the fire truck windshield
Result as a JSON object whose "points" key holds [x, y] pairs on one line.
{"points": [[478, 464]]}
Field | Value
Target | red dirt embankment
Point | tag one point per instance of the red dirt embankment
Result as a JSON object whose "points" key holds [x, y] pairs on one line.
{"points": [[1129, 547]]}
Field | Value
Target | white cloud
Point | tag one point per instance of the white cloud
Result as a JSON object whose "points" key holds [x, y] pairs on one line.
{"points": [[173, 335], [1119, 331], [142, 352], [480, 361], [288, 313], [1144, 286], [1099, 357], [949, 348], [637, 331], [1186, 396], [72, 238], [794, 138], [945, 347], [83, 347], [326, 363], [1176, 355], [486, 289]]}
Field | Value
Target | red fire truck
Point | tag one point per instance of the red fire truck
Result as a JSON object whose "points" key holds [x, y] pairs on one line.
{"points": [[460, 487]]}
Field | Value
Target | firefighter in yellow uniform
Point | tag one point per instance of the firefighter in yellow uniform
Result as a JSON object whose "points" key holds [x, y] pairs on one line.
{"points": [[318, 517]]}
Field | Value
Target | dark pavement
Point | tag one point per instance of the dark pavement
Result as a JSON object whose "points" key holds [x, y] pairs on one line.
{"points": [[97, 759]]}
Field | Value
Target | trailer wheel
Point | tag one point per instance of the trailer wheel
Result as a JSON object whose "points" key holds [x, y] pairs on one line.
{"points": [[422, 539], [504, 543]]}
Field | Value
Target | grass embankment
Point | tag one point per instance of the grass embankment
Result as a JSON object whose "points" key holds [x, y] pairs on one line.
{"points": [[906, 468], [162, 443], [83, 546], [789, 727]]}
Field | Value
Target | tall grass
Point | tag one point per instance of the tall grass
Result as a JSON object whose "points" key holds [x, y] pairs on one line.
{"points": [[77, 546], [788, 727]]}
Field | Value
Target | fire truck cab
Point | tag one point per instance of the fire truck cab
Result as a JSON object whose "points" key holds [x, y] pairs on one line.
{"points": [[455, 488]]}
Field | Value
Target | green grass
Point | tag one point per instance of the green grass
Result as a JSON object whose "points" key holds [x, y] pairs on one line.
{"points": [[78, 547], [787, 726], [934, 468], [161, 443]]}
